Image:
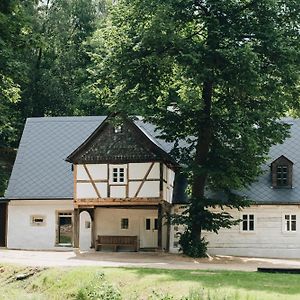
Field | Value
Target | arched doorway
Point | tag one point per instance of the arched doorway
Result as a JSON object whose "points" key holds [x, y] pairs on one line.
{"points": [[85, 231]]}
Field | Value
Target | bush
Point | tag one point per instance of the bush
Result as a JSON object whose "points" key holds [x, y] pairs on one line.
{"points": [[192, 248], [98, 289]]}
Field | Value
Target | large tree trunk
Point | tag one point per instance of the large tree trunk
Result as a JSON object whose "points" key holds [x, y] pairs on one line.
{"points": [[204, 139], [37, 107]]}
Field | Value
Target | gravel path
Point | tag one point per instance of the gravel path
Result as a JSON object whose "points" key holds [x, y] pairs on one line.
{"points": [[139, 259]]}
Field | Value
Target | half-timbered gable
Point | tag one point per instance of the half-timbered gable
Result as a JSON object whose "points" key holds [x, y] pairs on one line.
{"points": [[118, 140], [118, 161]]}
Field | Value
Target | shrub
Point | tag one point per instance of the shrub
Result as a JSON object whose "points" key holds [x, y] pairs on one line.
{"points": [[192, 248], [98, 289]]}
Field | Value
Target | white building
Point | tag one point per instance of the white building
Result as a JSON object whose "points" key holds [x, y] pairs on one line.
{"points": [[77, 178]]}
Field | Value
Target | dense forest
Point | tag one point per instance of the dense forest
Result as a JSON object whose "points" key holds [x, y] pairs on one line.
{"points": [[44, 60]]}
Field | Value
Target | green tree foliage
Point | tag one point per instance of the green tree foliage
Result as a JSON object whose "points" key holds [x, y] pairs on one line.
{"points": [[13, 35], [230, 69], [43, 64], [12, 41], [58, 57]]}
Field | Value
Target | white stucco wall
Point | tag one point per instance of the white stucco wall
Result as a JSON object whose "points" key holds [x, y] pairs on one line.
{"points": [[269, 238], [108, 222], [21, 234]]}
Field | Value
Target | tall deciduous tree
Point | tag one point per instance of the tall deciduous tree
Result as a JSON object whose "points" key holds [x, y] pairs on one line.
{"points": [[43, 64], [231, 70], [13, 35], [58, 58]]}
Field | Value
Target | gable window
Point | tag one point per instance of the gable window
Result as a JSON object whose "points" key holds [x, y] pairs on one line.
{"points": [[247, 222], [118, 174], [290, 223], [282, 171]]}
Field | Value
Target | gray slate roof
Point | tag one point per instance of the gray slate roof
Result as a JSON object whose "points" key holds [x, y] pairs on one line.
{"points": [[40, 170], [262, 191]]}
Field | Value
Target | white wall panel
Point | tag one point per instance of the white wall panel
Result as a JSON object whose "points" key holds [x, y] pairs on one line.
{"points": [[171, 177], [154, 173], [267, 240], [133, 187], [139, 170], [98, 171], [21, 234], [149, 189], [86, 190], [117, 191], [81, 173], [102, 188]]}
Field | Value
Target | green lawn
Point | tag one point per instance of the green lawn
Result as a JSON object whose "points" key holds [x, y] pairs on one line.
{"points": [[154, 284]]}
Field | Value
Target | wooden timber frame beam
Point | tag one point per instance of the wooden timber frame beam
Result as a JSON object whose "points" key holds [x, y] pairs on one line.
{"points": [[76, 225], [160, 226], [92, 202], [92, 181], [144, 179]]}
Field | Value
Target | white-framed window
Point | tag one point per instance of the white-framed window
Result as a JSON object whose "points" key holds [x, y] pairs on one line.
{"points": [[289, 222], [118, 174], [37, 220], [248, 223], [124, 223]]}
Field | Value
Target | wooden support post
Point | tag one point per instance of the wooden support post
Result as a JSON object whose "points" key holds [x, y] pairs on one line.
{"points": [[93, 230], [161, 180], [168, 213], [159, 229], [76, 228]]}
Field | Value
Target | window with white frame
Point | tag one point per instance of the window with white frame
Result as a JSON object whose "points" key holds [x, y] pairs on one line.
{"points": [[248, 222], [118, 174], [290, 223]]}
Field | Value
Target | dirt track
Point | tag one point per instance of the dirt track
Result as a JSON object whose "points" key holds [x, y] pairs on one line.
{"points": [[140, 259]]}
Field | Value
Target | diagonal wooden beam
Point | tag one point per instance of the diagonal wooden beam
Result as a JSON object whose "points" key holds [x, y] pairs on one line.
{"points": [[92, 181], [144, 179]]}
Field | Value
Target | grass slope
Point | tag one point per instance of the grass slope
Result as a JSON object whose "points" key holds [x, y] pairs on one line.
{"points": [[154, 284]]}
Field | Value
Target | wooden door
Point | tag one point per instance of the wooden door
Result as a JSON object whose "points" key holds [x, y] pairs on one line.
{"points": [[149, 232], [3, 218]]}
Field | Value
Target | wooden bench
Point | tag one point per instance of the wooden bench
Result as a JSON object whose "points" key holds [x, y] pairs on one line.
{"points": [[116, 241]]}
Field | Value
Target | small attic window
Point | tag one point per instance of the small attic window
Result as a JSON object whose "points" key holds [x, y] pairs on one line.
{"points": [[282, 172], [282, 175], [118, 129]]}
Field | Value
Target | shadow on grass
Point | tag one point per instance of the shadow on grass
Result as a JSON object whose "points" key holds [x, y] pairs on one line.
{"points": [[287, 284]]}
